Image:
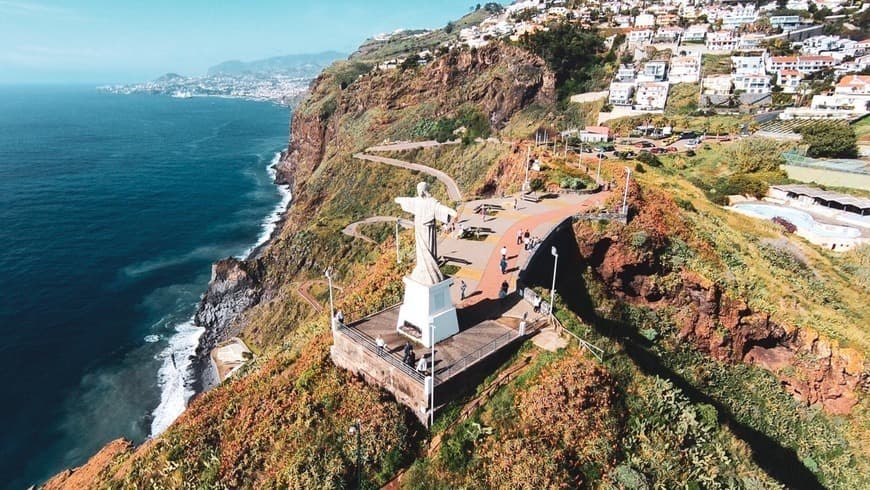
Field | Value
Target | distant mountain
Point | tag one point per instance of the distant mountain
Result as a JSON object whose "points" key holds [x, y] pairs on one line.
{"points": [[303, 65]]}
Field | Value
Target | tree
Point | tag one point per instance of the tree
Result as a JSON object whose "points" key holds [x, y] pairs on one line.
{"points": [[781, 4], [755, 154], [449, 27], [830, 139], [572, 52]]}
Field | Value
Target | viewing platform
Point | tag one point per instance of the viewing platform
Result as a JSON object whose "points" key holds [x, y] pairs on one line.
{"points": [[483, 331]]}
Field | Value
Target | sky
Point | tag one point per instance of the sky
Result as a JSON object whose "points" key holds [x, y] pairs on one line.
{"points": [[121, 41]]}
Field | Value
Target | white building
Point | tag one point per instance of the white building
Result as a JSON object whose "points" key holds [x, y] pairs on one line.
{"points": [[789, 80], [739, 16], [621, 93], [653, 71], [645, 20], [695, 33], [669, 34], [716, 85], [722, 42], [651, 95], [685, 69], [625, 73], [803, 64], [752, 84], [748, 65], [640, 36], [785, 22]]}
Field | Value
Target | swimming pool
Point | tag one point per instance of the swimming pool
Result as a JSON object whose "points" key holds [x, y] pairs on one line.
{"points": [[803, 221]]}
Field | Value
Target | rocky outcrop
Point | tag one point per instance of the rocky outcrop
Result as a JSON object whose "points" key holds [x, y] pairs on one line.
{"points": [[234, 287], [814, 369]]}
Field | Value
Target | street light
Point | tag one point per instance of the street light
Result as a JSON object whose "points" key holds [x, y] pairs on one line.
{"points": [[625, 196], [432, 373], [598, 175], [355, 428], [555, 254], [398, 257], [328, 275]]}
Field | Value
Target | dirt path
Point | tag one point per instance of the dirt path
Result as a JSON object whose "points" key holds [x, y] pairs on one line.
{"points": [[452, 188], [352, 229], [304, 291]]}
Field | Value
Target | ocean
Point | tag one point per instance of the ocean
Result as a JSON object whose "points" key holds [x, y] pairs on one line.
{"points": [[112, 210]]}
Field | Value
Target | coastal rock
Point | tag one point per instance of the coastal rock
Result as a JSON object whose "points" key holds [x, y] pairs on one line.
{"points": [[812, 368], [234, 287]]}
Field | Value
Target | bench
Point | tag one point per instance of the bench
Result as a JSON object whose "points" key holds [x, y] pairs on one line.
{"points": [[531, 198]]}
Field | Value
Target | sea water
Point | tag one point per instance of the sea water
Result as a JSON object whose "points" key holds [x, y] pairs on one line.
{"points": [[112, 210]]}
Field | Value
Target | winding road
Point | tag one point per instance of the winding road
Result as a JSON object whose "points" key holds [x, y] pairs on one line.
{"points": [[304, 291], [452, 189], [351, 229]]}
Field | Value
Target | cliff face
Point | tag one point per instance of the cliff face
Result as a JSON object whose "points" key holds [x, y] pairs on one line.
{"points": [[348, 109], [813, 368]]}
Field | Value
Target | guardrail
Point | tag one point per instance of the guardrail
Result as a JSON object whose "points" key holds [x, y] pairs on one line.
{"points": [[370, 344], [622, 218], [596, 351], [481, 352]]}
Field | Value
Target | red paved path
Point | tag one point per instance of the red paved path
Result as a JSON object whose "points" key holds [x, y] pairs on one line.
{"points": [[491, 279]]}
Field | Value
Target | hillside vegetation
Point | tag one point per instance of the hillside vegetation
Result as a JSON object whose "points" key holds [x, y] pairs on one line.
{"points": [[734, 353]]}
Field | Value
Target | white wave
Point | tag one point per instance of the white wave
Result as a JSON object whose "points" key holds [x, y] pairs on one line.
{"points": [[271, 221], [152, 338], [175, 375]]}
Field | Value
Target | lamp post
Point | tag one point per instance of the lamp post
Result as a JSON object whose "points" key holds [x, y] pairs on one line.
{"points": [[432, 373], [355, 428], [625, 196], [598, 174], [555, 254], [328, 275], [398, 257], [526, 178]]}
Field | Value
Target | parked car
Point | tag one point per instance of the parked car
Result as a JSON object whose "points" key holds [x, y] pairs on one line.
{"points": [[588, 149], [688, 135], [624, 154], [692, 144], [657, 151], [643, 144], [671, 149], [607, 148]]}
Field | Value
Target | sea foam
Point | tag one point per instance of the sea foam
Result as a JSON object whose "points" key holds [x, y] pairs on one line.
{"points": [[175, 375], [271, 221]]}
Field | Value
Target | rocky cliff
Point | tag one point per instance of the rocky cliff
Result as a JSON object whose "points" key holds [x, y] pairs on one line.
{"points": [[635, 264], [350, 107]]}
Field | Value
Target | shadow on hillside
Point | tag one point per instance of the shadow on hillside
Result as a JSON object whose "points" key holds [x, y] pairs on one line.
{"points": [[781, 463]]}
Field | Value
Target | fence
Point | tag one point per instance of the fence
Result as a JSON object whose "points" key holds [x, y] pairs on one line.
{"points": [[481, 352], [369, 343], [838, 164], [620, 217]]}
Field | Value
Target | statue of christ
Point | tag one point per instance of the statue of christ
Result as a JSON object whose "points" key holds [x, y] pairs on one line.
{"points": [[427, 212]]}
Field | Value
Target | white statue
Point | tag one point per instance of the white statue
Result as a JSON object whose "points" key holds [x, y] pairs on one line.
{"points": [[427, 212]]}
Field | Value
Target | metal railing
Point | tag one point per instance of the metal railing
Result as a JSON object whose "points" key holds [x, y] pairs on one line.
{"points": [[369, 343], [621, 217], [596, 351], [478, 354]]}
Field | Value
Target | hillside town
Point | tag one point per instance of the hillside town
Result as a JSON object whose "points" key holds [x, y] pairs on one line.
{"points": [[807, 58]]}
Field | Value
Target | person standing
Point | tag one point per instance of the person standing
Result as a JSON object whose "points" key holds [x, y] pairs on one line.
{"points": [[504, 252], [380, 343], [462, 287], [519, 236], [503, 264]]}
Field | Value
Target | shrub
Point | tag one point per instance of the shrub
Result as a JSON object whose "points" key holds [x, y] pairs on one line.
{"points": [[536, 184], [685, 204], [649, 159], [789, 227], [830, 139], [639, 168], [755, 154]]}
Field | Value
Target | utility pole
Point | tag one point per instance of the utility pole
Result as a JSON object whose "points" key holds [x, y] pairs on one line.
{"points": [[432, 373], [328, 275], [598, 175], [398, 257], [625, 196], [555, 254]]}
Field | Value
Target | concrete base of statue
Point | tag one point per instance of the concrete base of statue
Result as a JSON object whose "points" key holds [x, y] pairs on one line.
{"points": [[425, 306]]}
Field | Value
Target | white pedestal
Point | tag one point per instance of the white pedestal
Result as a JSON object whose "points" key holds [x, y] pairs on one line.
{"points": [[428, 305]]}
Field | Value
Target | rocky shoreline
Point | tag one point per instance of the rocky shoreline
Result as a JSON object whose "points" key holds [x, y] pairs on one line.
{"points": [[234, 287]]}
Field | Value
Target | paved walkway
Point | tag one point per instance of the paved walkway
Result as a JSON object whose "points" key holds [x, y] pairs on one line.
{"points": [[304, 290], [452, 188], [479, 260], [351, 229]]}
